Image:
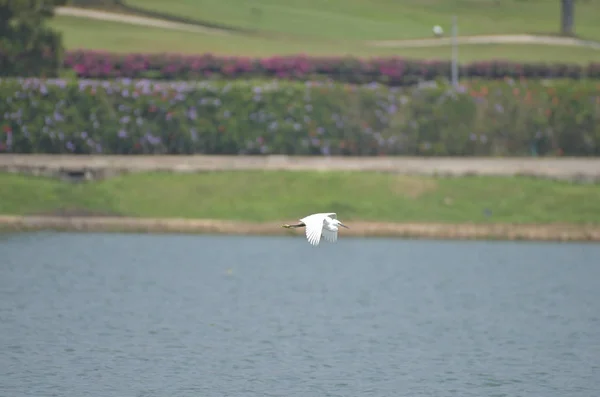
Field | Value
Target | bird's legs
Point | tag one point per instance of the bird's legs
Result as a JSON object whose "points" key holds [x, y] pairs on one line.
{"points": [[299, 224]]}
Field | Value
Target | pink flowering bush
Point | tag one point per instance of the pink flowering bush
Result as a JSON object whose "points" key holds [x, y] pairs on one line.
{"points": [[392, 71], [502, 117]]}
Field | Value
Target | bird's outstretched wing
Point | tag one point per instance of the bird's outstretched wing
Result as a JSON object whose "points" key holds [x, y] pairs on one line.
{"points": [[330, 236], [332, 215], [314, 227]]}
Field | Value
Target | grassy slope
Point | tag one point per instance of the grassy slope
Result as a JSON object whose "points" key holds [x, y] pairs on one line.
{"points": [[274, 196], [384, 19], [113, 36]]}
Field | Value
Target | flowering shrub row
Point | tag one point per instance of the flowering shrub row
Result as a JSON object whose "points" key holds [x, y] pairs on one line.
{"points": [[313, 118], [389, 71]]}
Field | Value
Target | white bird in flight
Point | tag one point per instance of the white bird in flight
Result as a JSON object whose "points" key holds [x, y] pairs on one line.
{"points": [[317, 225]]}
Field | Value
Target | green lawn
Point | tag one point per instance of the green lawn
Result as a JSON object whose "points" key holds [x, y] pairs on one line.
{"points": [[286, 196], [384, 19], [121, 37]]}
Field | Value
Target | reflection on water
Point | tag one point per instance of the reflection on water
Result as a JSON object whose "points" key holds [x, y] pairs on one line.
{"points": [[153, 315]]}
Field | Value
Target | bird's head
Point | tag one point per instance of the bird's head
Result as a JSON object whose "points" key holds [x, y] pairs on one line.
{"points": [[337, 222]]}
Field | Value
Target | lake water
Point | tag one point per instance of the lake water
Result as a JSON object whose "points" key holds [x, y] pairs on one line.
{"points": [[155, 315]]}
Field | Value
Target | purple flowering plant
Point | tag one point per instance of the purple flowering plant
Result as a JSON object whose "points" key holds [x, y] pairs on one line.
{"points": [[141, 116]]}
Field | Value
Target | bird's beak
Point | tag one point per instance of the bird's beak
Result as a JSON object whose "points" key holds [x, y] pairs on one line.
{"points": [[341, 224]]}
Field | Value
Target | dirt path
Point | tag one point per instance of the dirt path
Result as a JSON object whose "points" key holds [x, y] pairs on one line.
{"points": [[426, 42], [136, 20], [496, 39]]}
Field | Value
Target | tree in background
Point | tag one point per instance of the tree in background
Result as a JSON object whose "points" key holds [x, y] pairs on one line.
{"points": [[27, 46]]}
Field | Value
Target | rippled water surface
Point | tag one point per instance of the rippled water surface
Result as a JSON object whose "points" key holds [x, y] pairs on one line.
{"points": [[152, 315]]}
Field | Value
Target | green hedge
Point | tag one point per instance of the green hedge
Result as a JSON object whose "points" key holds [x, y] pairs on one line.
{"points": [[508, 118]]}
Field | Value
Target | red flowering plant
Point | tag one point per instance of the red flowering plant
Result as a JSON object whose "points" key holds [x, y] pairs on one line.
{"points": [[393, 71]]}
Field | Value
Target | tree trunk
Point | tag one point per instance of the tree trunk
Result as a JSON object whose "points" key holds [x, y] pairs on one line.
{"points": [[567, 17]]}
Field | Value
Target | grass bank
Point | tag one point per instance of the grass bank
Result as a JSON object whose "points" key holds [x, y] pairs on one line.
{"points": [[122, 37], [382, 19], [279, 196]]}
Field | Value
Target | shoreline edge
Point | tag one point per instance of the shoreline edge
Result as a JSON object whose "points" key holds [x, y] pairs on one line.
{"points": [[444, 231]]}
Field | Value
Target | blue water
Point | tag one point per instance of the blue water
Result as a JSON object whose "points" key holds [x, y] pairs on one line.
{"points": [[154, 315]]}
